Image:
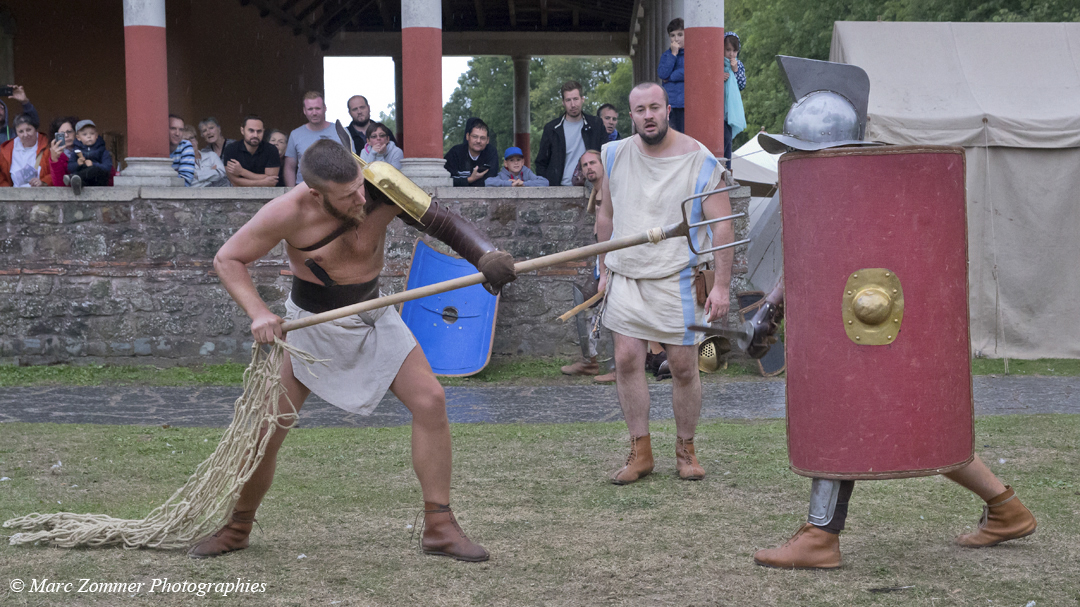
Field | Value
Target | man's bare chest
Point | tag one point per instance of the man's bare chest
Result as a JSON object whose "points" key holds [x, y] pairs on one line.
{"points": [[353, 252]]}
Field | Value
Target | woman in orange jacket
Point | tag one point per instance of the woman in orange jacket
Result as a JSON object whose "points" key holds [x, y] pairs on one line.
{"points": [[23, 161]]}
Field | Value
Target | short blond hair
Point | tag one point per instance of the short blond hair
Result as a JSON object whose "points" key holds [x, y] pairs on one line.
{"points": [[312, 95]]}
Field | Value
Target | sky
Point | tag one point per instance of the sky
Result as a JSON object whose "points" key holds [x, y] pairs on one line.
{"points": [[373, 77]]}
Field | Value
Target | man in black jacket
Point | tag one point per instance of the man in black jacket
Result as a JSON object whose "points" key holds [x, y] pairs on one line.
{"points": [[566, 138], [471, 163]]}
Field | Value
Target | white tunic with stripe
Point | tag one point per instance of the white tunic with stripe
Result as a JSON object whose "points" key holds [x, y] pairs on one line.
{"points": [[651, 291]]}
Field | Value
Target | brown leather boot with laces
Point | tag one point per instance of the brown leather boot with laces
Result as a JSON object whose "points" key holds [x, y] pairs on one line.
{"points": [[810, 548], [442, 536], [230, 538], [1004, 518], [686, 463], [638, 464]]}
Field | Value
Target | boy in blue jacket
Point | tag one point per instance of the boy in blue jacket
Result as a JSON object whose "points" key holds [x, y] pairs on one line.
{"points": [[514, 172], [91, 163], [670, 71]]}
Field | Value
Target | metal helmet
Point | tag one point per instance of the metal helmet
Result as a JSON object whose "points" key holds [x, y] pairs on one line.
{"points": [[829, 109], [711, 352]]}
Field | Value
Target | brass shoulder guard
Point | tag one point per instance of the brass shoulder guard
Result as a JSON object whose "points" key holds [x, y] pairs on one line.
{"points": [[396, 187], [386, 184]]}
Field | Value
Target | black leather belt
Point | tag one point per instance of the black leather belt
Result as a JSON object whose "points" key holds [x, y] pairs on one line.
{"points": [[316, 298]]}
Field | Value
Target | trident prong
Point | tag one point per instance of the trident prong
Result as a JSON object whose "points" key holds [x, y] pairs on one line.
{"points": [[689, 224]]}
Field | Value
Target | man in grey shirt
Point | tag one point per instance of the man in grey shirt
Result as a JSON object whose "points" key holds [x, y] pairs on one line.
{"points": [[575, 147], [567, 137], [303, 136]]}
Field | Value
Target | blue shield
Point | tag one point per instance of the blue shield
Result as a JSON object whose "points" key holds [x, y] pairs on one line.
{"points": [[456, 328]]}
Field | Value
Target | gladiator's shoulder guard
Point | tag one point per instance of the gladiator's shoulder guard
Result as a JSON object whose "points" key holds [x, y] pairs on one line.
{"points": [[387, 184], [384, 183]]}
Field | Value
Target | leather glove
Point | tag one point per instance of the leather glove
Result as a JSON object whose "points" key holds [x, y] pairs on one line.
{"points": [[498, 269]]}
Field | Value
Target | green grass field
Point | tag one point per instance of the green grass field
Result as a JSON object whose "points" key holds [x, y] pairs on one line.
{"points": [[509, 370], [536, 496]]}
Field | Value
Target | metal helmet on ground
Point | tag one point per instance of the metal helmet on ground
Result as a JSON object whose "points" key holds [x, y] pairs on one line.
{"points": [[829, 109], [711, 351]]}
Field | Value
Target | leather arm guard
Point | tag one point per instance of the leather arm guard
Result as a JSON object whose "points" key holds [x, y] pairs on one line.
{"points": [[387, 185], [766, 322]]}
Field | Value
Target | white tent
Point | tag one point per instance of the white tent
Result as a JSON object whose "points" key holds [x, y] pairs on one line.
{"points": [[1017, 115], [752, 164]]}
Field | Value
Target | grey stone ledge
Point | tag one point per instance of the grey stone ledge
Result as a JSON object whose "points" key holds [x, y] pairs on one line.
{"points": [[553, 193], [129, 194], [54, 194], [160, 193]]}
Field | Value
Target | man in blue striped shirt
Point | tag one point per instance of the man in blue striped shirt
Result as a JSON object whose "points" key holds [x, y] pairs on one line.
{"points": [[180, 150]]}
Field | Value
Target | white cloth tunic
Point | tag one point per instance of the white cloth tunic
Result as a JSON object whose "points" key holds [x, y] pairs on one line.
{"points": [[651, 291], [365, 352]]}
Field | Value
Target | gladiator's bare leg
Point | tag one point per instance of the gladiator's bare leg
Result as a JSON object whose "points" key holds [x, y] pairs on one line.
{"points": [[259, 483], [977, 478], [630, 383], [685, 388], [1004, 517], [633, 393], [234, 535], [686, 403], [423, 396]]}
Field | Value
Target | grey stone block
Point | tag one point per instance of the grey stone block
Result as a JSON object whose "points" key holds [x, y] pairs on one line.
{"points": [[45, 213], [142, 346], [77, 213]]}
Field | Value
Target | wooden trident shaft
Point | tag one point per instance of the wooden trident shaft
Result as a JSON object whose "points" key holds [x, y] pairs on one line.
{"points": [[653, 235]]}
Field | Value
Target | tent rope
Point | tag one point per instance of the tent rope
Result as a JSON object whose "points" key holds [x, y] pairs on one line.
{"points": [[207, 498], [1000, 328]]}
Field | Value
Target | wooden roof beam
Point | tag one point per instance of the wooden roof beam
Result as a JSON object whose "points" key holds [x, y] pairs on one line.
{"points": [[329, 15], [384, 14], [290, 21], [479, 4], [309, 9]]}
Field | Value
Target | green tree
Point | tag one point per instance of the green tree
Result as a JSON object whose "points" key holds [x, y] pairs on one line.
{"points": [[388, 117], [486, 90], [804, 29], [616, 91]]}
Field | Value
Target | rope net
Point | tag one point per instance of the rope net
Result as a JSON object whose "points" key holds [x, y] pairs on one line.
{"points": [[204, 503]]}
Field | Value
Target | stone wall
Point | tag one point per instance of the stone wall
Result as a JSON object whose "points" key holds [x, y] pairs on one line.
{"points": [[125, 275]]}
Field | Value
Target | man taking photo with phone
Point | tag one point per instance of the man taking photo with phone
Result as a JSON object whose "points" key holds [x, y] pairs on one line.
{"points": [[470, 163]]}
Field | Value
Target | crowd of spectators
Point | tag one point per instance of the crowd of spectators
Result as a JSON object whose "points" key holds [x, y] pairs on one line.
{"points": [[74, 154], [566, 139]]}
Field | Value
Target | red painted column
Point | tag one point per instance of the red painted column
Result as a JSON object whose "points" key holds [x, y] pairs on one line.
{"points": [[704, 87], [147, 85], [421, 75]]}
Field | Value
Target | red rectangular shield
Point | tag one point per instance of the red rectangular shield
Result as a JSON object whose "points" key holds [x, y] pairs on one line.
{"points": [[876, 297]]}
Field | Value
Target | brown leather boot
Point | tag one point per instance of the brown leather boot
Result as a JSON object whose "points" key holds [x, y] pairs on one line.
{"points": [[638, 464], [585, 366], [607, 378], [686, 463], [230, 538], [1004, 518], [443, 536], [810, 548]]}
